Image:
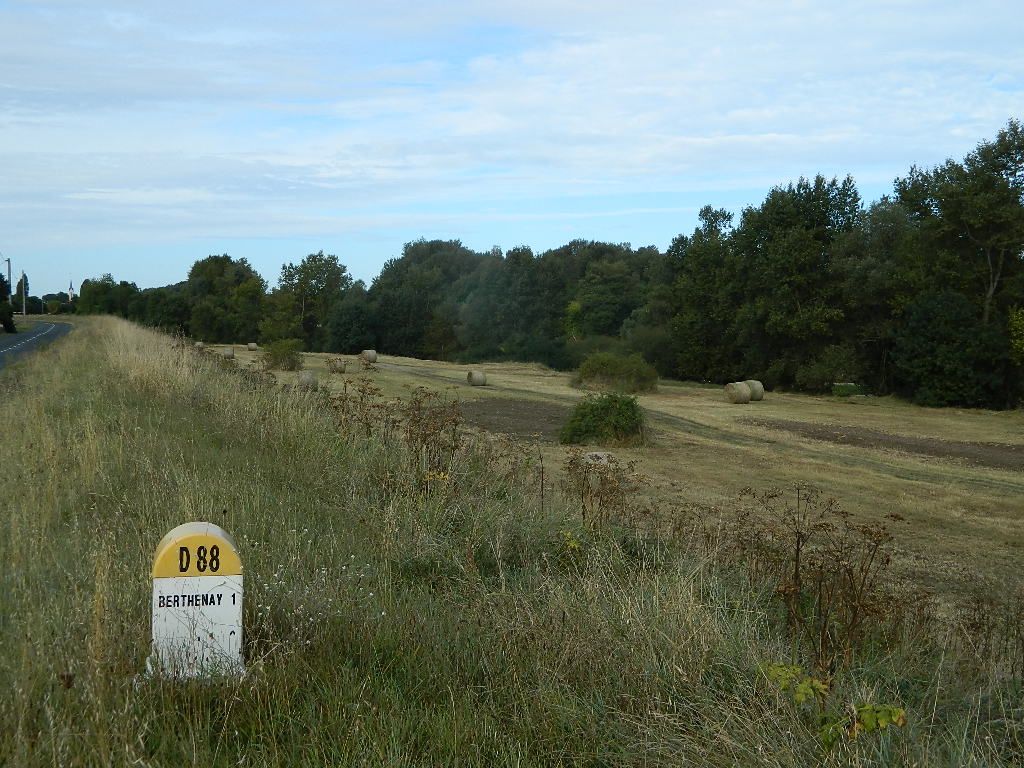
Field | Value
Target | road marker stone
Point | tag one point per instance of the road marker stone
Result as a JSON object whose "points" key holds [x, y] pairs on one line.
{"points": [[197, 603]]}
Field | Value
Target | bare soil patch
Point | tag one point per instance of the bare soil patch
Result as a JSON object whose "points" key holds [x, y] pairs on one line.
{"points": [[521, 418], [994, 455]]}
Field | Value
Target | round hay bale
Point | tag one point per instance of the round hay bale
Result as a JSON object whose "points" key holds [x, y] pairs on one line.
{"points": [[477, 378], [200, 345], [229, 353], [337, 365], [369, 355], [756, 390], [252, 346], [307, 381], [737, 392]]}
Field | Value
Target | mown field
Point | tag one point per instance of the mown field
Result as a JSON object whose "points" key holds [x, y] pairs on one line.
{"points": [[413, 597], [949, 483]]}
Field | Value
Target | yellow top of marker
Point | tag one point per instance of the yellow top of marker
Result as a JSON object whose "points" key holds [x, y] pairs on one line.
{"points": [[196, 549]]}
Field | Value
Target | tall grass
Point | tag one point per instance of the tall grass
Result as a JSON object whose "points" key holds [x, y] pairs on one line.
{"points": [[409, 600]]}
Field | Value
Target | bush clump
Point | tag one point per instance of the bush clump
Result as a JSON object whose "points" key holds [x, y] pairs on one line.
{"points": [[837, 363], [618, 373], [847, 389], [283, 355], [7, 318], [607, 418]]}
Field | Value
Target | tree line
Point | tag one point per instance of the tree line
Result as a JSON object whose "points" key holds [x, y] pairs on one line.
{"points": [[13, 301], [920, 293]]}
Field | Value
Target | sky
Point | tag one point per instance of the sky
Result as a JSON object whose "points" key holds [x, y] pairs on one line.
{"points": [[138, 137]]}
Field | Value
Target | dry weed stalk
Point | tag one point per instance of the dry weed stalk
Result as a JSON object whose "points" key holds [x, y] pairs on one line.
{"points": [[359, 407], [605, 488], [829, 568], [425, 426], [431, 431]]}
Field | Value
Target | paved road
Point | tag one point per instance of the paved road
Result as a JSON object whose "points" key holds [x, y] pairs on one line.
{"points": [[14, 344]]}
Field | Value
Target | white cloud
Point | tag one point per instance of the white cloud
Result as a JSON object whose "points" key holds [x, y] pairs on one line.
{"points": [[146, 196], [263, 120]]}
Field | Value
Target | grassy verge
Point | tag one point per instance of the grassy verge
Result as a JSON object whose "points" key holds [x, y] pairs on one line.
{"points": [[409, 598]]}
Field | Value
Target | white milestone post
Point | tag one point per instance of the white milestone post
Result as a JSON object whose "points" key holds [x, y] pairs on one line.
{"points": [[197, 604]]}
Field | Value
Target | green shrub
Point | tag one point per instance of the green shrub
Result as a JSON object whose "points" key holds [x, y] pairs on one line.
{"points": [[580, 349], [604, 418], [283, 355], [605, 370], [838, 362], [7, 318], [847, 390]]}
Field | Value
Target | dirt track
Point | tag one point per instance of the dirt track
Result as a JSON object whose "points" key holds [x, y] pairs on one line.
{"points": [[522, 418], [995, 455]]}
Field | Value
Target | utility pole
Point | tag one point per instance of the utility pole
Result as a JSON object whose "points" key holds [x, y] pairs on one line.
{"points": [[24, 293], [10, 292]]}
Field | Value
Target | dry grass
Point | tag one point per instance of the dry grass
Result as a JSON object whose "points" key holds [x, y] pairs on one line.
{"points": [[960, 521], [412, 597]]}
